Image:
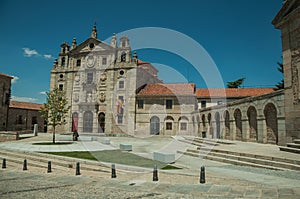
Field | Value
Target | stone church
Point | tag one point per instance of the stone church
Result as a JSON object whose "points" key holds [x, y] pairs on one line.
{"points": [[102, 82]]}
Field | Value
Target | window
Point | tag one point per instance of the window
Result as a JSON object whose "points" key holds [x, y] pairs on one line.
{"points": [[140, 104], [203, 104], [169, 104], [63, 61], [61, 87], [34, 120], [121, 84], [90, 78], [120, 119], [78, 62], [220, 102], [123, 57], [183, 126], [104, 60], [168, 125], [123, 44], [19, 119]]}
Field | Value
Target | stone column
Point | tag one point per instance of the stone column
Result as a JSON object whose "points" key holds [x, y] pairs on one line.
{"points": [[261, 129]]}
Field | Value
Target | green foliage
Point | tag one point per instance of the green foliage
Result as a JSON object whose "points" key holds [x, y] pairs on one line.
{"points": [[55, 109], [236, 83], [280, 85]]}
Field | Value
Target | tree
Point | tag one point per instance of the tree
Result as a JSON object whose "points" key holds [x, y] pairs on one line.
{"points": [[280, 85], [55, 109], [236, 83]]}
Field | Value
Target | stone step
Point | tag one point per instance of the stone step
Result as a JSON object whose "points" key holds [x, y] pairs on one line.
{"points": [[255, 160], [40, 160], [230, 161], [202, 141], [277, 159], [289, 149], [296, 141], [293, 145]]}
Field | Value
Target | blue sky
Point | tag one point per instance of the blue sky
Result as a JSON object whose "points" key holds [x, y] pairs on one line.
{"points": [[237, 34]]}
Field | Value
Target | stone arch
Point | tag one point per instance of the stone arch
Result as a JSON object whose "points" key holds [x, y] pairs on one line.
{"points": [[154, 125], [218, 125], [270, 113], [227, 124], [211, 128], [183, 123], [238, 124], [88, 121], [101, 122], [252, 120], [203, 121]]}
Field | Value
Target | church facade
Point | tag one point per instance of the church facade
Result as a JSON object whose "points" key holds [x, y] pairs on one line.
{"points": [[102, 82]]}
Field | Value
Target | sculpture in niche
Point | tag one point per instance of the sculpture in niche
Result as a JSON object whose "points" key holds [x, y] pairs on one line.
{"points": [[102, 97]]}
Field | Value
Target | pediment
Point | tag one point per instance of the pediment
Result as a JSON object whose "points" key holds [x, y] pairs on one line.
{"points": [[91, 45]]}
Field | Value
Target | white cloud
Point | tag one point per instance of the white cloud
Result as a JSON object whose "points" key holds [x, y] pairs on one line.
{"points": [[31, 52], [48, 56], [43, 92], [15, 79], [28, 52], [23, 99]]}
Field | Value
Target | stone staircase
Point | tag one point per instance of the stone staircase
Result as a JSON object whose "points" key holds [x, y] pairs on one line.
{"points": [[292, 147], [40, 160], [205, 151]]}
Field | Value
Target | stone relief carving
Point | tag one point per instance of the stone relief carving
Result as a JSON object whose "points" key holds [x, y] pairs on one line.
{"points": [[102, 97], [103, 76], [295, 75]]}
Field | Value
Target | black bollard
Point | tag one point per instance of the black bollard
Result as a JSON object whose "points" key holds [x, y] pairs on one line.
{"points": [[77, 169], [113, 171], [25, 165], [4, 163], [49, 167], [202, 175], [155, 174]]}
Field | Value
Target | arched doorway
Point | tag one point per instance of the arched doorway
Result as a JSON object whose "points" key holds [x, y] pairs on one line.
{"points": [[218, 129], [154, 125], [88, 122], [270, 113], [74, 122], [210, 126], [101, 122], [252, 119], [238, 124], [227, 125]]}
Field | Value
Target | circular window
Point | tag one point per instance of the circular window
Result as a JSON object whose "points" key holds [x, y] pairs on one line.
{"points": [[121, 72], [92, 45], [61, 76]]}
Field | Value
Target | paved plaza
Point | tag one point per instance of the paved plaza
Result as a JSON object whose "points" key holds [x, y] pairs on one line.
{"points": [[222, 180]]}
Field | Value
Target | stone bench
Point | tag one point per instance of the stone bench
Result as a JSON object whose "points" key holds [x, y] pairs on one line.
{"points": [[64, 137], [105, 141], [164, 157], [85, 138], [126, 147]]}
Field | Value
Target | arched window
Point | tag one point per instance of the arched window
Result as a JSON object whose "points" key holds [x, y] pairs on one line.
{"points": [[63, 61], [123, 57]]}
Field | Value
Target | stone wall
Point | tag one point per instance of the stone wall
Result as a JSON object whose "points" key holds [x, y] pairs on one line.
{"points": [[288, 21], [23, 119]]}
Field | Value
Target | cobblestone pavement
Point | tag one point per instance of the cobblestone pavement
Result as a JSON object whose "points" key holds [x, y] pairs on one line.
{"points": [[36, 183], [222, 181]]}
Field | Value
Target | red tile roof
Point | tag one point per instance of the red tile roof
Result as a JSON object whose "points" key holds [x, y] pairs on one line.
{"points": [[140, 62], [4, 75], [25, 105], [167, 89], [231, 92]]}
